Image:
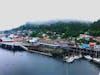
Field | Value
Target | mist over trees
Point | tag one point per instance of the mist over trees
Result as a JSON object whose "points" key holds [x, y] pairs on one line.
{"points": [[72, 28]]}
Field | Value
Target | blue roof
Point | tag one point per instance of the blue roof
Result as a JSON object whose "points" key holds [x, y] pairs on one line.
{"points": [[85, 45]]}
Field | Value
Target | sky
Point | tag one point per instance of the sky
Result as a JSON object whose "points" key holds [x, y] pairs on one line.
{"points": [[14, 13]]}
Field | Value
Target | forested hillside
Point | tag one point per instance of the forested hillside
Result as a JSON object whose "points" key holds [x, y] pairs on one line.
{"points": [[94, 28], [72, 28]]}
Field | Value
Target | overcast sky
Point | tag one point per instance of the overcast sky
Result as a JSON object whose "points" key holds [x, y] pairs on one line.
{"points": [[16, 12]]}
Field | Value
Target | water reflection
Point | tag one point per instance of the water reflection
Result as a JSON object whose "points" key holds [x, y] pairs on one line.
{"points": [[25, 63]]}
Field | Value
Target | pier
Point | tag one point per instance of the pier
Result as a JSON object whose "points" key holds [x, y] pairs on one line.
{"points": [[48, 49], [12, 46], [83, 51]]}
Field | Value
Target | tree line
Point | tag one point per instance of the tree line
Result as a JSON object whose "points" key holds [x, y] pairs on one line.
{"points": [[72, 28]]}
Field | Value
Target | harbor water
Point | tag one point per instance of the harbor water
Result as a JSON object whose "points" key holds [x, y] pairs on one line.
{"points": [[25, 63]]}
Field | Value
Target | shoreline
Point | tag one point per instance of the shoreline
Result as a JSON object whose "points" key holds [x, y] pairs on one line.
{"points": [[42, 53], [20, 47]]}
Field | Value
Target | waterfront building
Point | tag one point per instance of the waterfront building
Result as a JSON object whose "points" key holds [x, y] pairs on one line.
{"points": [[6, 39]]}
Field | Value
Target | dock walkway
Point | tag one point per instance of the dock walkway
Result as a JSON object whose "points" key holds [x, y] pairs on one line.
{"points": [[67, 50]]}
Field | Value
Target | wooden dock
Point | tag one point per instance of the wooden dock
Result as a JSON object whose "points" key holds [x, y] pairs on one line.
{"points": [[20, 47], [83, 51], [12, 46], [45, 50]]}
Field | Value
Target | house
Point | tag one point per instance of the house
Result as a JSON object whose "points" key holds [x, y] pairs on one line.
{"points": [[84, 36], [34, 40], [97, 47]]}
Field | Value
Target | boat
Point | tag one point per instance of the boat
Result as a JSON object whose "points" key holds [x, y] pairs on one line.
{"points": [[97, 60], [77, 56], [72, 58], [88, 57], [65, 58], [69, 59]]}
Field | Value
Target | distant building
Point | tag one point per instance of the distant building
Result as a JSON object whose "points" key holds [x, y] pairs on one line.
{"points": [[84, 36], [85, 45], [6, 39], [34, 40]]}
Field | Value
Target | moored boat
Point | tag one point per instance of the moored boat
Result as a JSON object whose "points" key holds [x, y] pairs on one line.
{"points": [[69, 59], [88, 57], [97, 60], [77, 56]]}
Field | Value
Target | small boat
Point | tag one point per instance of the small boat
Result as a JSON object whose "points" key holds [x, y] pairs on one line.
{"points": [[78, 57], [88, 57], [65, 58], [97, 60], [69, 59]]}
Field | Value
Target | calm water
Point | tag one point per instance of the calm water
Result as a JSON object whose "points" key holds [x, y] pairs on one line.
{"points": [[24, 63]]}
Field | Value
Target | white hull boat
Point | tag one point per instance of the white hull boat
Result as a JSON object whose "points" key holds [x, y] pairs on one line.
{"points": [[97, 60], [69, 59], [78, 57], [65, 58], [88, 57]]}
